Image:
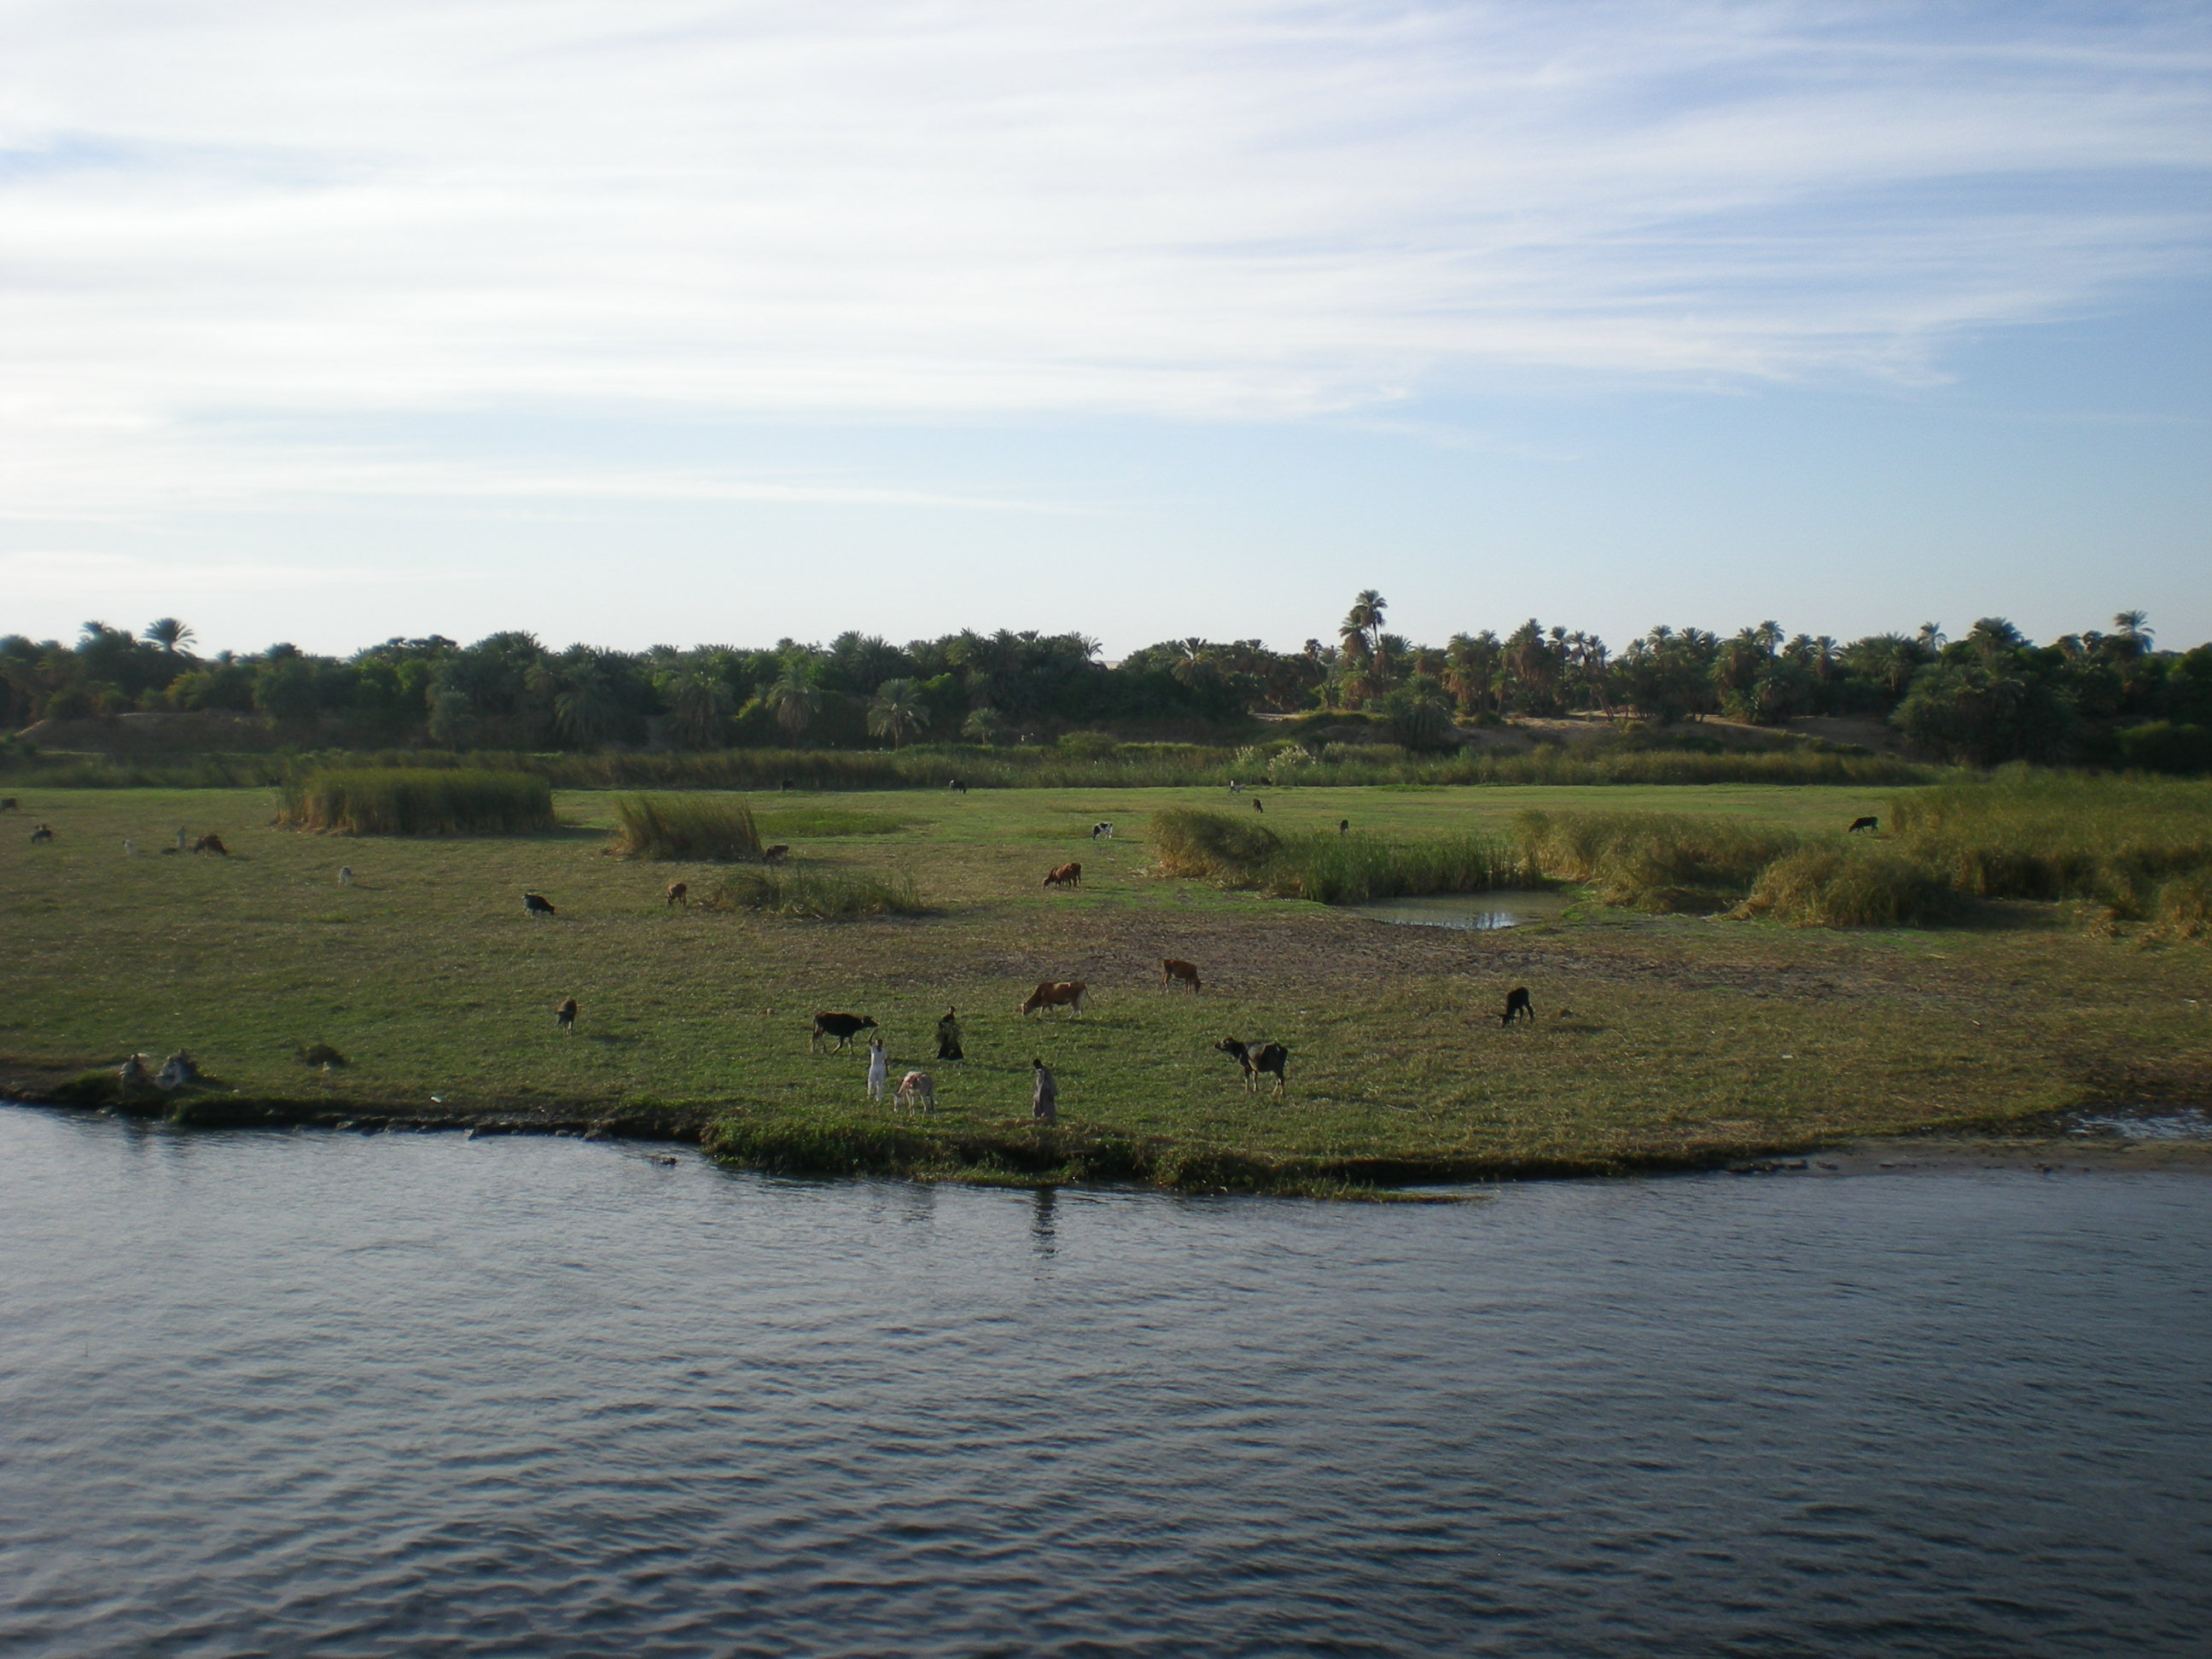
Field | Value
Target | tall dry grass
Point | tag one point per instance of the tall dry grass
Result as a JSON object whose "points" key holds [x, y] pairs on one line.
{"points": [[1655, 861], [399, 801], [1328, 869], [817, 896], [707, 828]]}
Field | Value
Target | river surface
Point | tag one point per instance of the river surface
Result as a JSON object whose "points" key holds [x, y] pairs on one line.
{"points": [[316, 1393]]}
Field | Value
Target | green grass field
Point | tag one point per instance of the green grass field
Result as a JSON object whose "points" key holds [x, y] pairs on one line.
{"points": [[1660, 1038]]}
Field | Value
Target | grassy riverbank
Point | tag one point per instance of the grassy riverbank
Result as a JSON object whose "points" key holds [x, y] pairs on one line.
{"points": [[1662, 1039]]}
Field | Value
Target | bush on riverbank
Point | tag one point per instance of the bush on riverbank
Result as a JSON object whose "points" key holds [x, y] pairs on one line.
{"points": [[1328, 869], [1835, 886], [1654, 861], [826, 897], [705, 828], [427, 801]]}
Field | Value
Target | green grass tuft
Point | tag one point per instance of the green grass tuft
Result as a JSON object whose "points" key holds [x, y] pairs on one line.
{"points": [[420, 801], [1326, 868], [820, 898]]}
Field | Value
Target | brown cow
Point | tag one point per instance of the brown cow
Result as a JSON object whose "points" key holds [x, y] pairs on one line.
{"points": [[1173, 969], [774, 854], [1065, 875], [210, 843], [680, 892], [1055, 994]]}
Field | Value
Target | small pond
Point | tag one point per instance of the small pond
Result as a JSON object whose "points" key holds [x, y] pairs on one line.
{"points": [[1504, 906]]}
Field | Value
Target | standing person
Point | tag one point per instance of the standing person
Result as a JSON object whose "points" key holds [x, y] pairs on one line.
{"points": [[948, 1037], [1044, 1102], [879, 1068]]}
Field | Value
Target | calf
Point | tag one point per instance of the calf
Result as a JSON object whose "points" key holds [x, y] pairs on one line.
{"points": [[565, 1015], [1174, 969], [1055, 994], [537, 905], [680, 892], [43, 832], [918, 1089], [1517, 1006], [1858, 825], [843, 1027], [211, 842], [1065, 875], [1259, 1058]]}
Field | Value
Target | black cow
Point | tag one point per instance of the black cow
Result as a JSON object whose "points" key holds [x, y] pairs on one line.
{"points": [[843, 1027], [565, 1015], [1858, 825], [1258, 1059], [537, 904], [43, 832], [1517, 1006]]}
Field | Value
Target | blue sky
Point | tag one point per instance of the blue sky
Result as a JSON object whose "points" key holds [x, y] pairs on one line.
{"points": [[696, 323]]}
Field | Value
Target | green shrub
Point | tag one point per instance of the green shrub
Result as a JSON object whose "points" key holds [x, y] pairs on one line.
{"points": [[717, 828], [420, 801], [821, 897], [1328, 869], [2184, 907], [1653, 861], [1835, 886]]}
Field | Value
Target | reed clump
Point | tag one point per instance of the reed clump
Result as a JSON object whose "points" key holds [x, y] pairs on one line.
{"points": [[815, 895], [1328, 869], [1653, 861], [1833, 886], [425, 801], [700, 829]]}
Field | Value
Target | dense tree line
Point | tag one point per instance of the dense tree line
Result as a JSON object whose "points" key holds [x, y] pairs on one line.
{"points": [[1986, 697]]}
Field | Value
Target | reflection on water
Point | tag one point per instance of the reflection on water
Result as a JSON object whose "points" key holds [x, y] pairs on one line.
{"points": [[1473, 912], [2189, 1124], [397, 1394]]}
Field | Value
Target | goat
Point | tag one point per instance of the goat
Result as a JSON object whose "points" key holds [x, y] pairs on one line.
{"points": [[1174, 969], [680, 892], [565, 1015], [918, 1089], [1064, 875], [775, 854], [1103, 830], [1517, 1006], [955, 786], [43, 832], [537, 904], [345, 875], [211, 842], [1055, 994], [1045, 1095], [843, 1027], [1259, 1059], [1858, 825], [1258, 805]]}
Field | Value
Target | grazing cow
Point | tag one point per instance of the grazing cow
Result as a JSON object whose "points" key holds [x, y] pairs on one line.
{"points": [[1045, 1095], [918, 1089], [9, 804], [1055, 994], [680, 892], [843, 1027], [879, 1068], [1517, 1006], [43, 832], [565, 1015], [948, 1037], [345, 875], [775, 855], [1174, 969], [1259, 1059], [1858, 825], [211, 842], [1064, 875], [537, 904]]}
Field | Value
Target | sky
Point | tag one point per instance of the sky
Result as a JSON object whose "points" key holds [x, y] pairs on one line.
{"points": [[691, 323]]}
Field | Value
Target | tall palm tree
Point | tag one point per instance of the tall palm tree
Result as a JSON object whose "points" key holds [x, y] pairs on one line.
{"points": [[896, 712], [702, 702], [1365, 618], [585, 708], [795, 696], [171, 636]]}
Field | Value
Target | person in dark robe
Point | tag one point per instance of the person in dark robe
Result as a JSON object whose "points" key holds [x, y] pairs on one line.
{"points": [[948, 1037]]}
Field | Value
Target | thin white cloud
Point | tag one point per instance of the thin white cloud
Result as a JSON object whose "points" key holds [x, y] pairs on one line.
{"points": [[1207, 209], [51, 574]]}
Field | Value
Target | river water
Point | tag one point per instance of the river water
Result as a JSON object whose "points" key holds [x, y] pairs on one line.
{"points": [[318, 1393]]}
